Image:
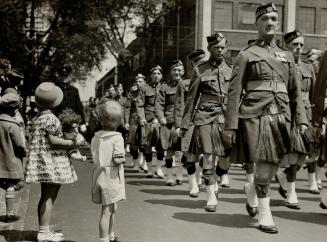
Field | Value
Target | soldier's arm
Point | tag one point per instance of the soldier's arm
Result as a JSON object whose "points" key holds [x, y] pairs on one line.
{"points": [[179, 105], [127, 110], [235, 92], [295, 95], [191, 99], [320, 92], [160, 105], [312, 71], [140, 105]]}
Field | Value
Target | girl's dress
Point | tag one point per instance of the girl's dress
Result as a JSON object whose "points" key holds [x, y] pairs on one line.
{"points": [[45, 163]]}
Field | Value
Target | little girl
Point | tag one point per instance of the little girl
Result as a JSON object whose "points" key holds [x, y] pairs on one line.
{"points": [[108, 152], [70, 121], [47, 162]]}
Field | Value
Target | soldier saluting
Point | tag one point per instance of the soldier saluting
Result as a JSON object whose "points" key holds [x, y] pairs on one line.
{"points": [[208, 89], [265, 76]]}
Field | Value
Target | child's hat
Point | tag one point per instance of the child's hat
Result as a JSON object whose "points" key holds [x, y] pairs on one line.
{"points": [[9, 101], [48, 95]]}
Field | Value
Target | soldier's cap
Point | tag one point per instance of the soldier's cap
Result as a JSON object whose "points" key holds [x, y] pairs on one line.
{"points": [[10, 100], [263, 9], [139, 76], [175, 63], [196, 54], [156, 68], [288, 37], [215, 38]]}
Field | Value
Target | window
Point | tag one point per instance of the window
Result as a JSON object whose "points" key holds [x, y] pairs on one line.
{"points": [[246, 16], [223, 15], [323, 21], [306, 20]]}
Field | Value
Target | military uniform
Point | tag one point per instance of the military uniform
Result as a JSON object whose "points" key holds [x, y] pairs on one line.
{"points": [[146, 112], [207, 92], [164, 111]]}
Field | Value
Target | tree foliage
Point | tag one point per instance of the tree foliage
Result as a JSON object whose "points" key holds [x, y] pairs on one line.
{"points": [[42, 36]]}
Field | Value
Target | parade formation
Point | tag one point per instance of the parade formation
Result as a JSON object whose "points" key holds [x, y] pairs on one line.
{"points": [[265, 112]]}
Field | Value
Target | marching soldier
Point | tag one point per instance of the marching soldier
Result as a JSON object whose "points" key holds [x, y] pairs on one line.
{"points": [[132, 122], [319, 107], [146, 113], [196, 58], [164, 110], [264, 75], [305, 73], [207, 92]]}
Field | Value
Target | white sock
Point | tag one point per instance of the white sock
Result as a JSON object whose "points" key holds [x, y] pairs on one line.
{"points": [[194, 188], [312, 181], [107, 239], [212, 200], [291, 193], [250, 177], [251, 194], [265, 217], [282, 179]]}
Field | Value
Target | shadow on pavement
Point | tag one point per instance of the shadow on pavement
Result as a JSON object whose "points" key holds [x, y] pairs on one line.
{"points": [[230, 191], [224, 220], [165, 191], [239, 179], [298, 190], [161, 183], [315, 218], [312, 199], [232, 200], [180, 203]]}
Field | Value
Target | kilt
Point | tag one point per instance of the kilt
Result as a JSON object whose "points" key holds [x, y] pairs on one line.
{"points": [[251, 141], [167, 138], [207, 139], [133, 135], [186, 139]]}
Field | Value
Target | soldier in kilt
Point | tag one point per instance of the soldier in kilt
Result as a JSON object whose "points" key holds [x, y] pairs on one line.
{"points": [[164, 111], [207, 92], [264, 75], [318, 114], [132, 122], [192, 161], [302, 145], [149, 122]]}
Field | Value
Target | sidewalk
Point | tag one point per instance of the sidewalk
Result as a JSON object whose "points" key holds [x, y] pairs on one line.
{"points": [[13, 231]]}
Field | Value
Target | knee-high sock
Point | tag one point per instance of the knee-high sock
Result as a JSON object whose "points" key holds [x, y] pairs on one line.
{"points": [[251, 194], [265, 216], [291, 193]]}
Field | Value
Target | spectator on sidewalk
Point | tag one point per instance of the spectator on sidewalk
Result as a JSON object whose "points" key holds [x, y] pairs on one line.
{"points": [[108, 152], [12, 151], [48, 163]]}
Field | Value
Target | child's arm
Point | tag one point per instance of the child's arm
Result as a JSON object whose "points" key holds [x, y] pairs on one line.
{"points": [[18, 142], [119, 150], [57, 142]]}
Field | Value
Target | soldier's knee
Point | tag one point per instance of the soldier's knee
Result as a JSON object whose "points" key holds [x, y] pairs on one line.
{"points": [[249, 167], [208, 176], [160, 155], [261, 186], [220, 171], [169, 163], [184, 160], [148, 157], [190, 168], [134, 153], [291, 173], [311, 167]]}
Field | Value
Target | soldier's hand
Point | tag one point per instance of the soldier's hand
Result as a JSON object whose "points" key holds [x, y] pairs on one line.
{"points": [[163, 122], [142, 122], [302, 128], [127, 126], [82, 128], [155, 121], [323, 130], [230, 135], [178, 132]]}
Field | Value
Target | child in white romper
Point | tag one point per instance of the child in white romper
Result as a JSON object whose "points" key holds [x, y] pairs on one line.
{"points": [[108, 152]]}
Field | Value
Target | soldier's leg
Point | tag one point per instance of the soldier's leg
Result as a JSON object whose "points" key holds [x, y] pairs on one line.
{"points": [[142, 161], [320, 171], [263, 175], [135, 155], [179, 167], [191, 171], [208, 175], [169, 168], [148, 158], [249, 168], [311, 166], [323, 202], [222, 170], [199, 168], [159, 162]]}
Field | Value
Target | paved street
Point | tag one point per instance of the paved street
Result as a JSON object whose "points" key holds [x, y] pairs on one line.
{"points": [[154, 212]]}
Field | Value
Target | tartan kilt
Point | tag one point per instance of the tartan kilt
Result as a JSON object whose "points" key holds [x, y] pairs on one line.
{"points": [[133, 135]]}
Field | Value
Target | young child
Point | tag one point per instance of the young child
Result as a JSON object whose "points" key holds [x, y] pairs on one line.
{"points": [[12, 151], [108, 186], [48, 163], [70, 121]]}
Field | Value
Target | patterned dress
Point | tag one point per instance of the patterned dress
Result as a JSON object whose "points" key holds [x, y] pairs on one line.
{"points": [[45, 163]]}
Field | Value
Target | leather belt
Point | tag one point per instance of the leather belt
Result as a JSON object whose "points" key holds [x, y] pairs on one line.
{"points": [[212, 99], [272, 86]]}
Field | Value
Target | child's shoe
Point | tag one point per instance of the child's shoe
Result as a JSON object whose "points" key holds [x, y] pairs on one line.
{"points": [[50, 237]]}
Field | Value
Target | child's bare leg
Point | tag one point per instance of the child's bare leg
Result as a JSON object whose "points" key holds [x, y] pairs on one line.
{"points": [[113, 210], [104, 223], [10, 202]]}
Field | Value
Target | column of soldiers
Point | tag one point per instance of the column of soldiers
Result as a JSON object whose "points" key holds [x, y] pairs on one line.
{"points": [[256, 112]]}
